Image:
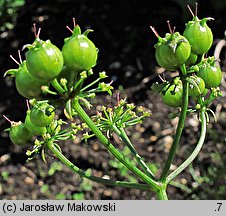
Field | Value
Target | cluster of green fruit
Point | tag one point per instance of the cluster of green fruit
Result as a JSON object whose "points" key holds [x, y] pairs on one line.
{"points": [[39, 121], [45, 62], [175, 51], [47, 65]]}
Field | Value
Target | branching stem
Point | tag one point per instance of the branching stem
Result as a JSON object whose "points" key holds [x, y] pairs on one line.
{"points": [[122, 134], [84, 174], [196, 151], [179, 130], [154, 185], [57, 86]]}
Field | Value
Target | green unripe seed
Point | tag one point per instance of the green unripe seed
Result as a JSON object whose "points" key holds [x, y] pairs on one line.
{"points": [[172, 94], [211, 74], [79, 53], [191, 60], [199, 35], [198, 89], [172, 51], [26, 84], [44, 60], [19, 134], [34, 129], [42, 115]]}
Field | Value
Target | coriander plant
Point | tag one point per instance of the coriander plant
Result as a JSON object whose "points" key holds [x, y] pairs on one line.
{"points": [[52, 79]]}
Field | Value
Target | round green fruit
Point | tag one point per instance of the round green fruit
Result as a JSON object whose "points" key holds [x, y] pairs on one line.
{"points": [[19, 134], [44, 60], [172, 94], [172, 51], [211, 74], [34, 129], [42, 114], [199, 35], [197, 88], [79, 52], [26, 84], [191, 60]]}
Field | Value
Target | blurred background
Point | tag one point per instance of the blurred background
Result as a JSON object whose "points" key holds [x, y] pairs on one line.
{"points": [[126, 53]]}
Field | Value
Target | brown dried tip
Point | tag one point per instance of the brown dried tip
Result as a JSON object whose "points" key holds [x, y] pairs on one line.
{"points": [[196, 8], [7, 119], [74, 23], [20, 57], [162, 79], [69, 29], [110, 82], [154, 31], [34, 29], [37, 34], [169, 26], [174, 28], [27, 103], [190, 10], [14, 60], [117, 98]]}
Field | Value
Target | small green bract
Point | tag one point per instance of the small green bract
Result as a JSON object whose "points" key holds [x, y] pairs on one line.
{"points": [[197, 87]]}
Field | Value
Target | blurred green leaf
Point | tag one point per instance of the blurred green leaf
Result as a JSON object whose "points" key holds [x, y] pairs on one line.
{"points": [[78, 196], [8, 13]]}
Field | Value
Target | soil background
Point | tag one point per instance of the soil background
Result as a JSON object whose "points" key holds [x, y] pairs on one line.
{"points": [[126, 53]]}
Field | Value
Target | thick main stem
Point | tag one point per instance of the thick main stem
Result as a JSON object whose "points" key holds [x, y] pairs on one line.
{"points": [[84, 174], [155, 185], [162, 195], [196, 150], [179, 131]]}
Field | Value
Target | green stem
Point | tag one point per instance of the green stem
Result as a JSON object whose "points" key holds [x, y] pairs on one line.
{"points": [[162, 195], [122, 134], [179, 130], [183, 69], [79, 83], [57, 86], [155, 185], [64, 84], [45, 90], [200, 58], [72, 80], [196, 150], [84, 174], [91, 84]]}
